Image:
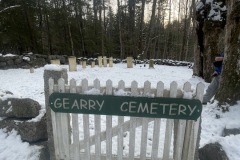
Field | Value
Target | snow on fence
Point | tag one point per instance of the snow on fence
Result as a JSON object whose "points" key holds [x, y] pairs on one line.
{"points": [[170, 139]]}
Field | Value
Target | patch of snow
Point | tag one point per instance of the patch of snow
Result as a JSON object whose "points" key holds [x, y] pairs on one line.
{"points": [[26, 59], [93, 91], [199, 6], [13, 148], [53, 67], [187, 95], [9, 55]]}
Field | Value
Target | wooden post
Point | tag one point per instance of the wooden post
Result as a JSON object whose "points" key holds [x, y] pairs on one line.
{"points": [[99, 61], [110, 61], [55, 75], [72, 63], [129, 62], [104, 61], [55, 61]]}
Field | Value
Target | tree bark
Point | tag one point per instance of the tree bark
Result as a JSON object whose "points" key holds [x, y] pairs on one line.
{"points": [[120, 29], [230, 81], [211, 38]]}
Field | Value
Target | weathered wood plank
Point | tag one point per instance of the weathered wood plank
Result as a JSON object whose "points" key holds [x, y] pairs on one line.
{"points": [[121, 85], [86, 124], [169, 125], [63, 127], [75, 126], [157, 122], [97, 122], [109, 91], [132, 130]]}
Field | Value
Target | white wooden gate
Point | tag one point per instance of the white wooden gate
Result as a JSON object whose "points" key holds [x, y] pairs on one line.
{"points": [[81, 137]]}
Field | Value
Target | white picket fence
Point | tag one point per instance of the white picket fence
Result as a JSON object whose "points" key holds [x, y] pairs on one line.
{"points": [[74, 141]]}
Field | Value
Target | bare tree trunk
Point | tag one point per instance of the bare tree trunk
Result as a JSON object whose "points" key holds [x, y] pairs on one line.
{"points": [[120, 29], [79, 21], [166, 46], [211, 36], [140, 40], [49, 35], [69, 28], [230, 81], [184, 40], [150, 30]]}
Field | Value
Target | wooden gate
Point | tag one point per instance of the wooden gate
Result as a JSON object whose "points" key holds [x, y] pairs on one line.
{"points": [[85, 137]]}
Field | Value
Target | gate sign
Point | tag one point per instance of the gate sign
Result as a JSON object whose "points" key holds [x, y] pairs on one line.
{"points": [[172, 108]]}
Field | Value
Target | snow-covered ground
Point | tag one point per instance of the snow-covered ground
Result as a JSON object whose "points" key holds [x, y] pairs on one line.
{"points": [[24, 84]]}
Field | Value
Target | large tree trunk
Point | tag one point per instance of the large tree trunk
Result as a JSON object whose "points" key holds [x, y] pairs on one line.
{"points": [[230, 81], [211, 39], [150, 31], [120, 29]]}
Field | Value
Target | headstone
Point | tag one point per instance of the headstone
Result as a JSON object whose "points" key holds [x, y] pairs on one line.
{"points": [[84, 63], [99, 61], [93, 64], [31, 70], [110, 61], [129, 62], [104, 61], [72, 63], [55, 61], [151, 63]]}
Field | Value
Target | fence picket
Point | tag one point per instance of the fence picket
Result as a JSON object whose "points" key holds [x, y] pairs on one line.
{"points": [[169, 124], [109, 125], [75, 126], [183, 146], [146, 92], [132, 129], [86, 124], [195, 125], [121, 85], [97, 122], [53, 117], [62, 121], [157, 122]]}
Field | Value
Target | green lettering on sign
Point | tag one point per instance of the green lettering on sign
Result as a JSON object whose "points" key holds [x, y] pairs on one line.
{"points": [[172, 108]]}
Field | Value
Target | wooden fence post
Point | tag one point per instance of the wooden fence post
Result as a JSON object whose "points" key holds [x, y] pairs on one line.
{"points": [[55, 75]]}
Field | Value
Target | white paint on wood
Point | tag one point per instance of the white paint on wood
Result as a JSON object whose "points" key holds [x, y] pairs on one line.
{"points": [[109, 91], [86, 124], [157, 123], [169, 125], [62, 121], [64, 143], [133, 121]]}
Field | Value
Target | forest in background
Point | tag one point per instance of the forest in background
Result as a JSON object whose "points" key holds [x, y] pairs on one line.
{"points": [[88, 28]]}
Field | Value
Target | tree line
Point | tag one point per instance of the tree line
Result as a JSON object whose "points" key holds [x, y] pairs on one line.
{"points": [[138, 28]]}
